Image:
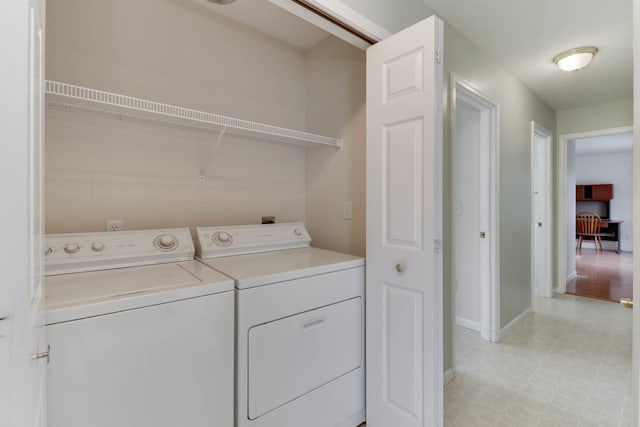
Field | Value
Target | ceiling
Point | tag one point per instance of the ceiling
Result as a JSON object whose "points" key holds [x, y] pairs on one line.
{"points": [[522, 35], [617, 143], [525, 35]]}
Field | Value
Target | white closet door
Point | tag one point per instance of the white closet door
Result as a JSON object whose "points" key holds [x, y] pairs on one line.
{"points": [[404, 223], [23, 355]]}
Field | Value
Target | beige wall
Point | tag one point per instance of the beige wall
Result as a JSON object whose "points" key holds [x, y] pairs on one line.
{"points": [[178, 52], [336, 106], [607, 115]]}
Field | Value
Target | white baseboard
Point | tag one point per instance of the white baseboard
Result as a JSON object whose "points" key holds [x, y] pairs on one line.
{"points": [[448, 376], [505, 331], [469, 324]]}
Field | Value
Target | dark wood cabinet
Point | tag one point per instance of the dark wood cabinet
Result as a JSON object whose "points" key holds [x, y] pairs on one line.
{"points": [[602, 192], [594, 192]]}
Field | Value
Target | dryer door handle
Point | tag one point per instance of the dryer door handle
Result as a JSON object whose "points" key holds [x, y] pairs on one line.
{"points": [[310, 325]]}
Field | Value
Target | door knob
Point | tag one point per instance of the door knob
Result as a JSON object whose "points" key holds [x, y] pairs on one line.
{"points": [[400, 267], [626, 302]]}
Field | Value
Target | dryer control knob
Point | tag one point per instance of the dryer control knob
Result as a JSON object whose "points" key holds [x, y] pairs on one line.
{"points": [[297, 232], [166, 241], [222, 238], [97, 246], [48, 251], [71, 248]]}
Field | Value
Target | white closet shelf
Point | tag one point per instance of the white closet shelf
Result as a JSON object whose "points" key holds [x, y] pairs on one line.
{"points": [[80, 99]]}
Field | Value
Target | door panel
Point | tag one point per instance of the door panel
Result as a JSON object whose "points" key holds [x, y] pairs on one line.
{"points": [[403, 370], [404, 264], [402, 191]]}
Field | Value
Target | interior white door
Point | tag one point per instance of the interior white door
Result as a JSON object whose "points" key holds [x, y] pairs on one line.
{"points": [[538, 212], [541, 211], [470, 272], [404, 228], [22, 373]]}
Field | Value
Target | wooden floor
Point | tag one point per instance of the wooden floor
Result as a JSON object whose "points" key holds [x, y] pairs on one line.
{"points": [[603, 275]]}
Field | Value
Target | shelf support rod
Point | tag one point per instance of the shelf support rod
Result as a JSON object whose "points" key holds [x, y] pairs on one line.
{"points": [[205, 167]]}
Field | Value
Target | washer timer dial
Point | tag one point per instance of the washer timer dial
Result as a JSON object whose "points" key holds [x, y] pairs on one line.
{"points": [[165, 242]]}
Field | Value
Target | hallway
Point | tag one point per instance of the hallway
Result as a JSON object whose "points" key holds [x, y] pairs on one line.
{"points": [[569, 364]]}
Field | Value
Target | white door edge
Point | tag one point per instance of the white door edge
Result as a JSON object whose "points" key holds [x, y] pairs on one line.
{"points": [[547, 290], [490, 168]]}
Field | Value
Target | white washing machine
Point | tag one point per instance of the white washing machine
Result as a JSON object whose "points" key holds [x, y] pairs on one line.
{"points": [[299, 325], [141, 335]]}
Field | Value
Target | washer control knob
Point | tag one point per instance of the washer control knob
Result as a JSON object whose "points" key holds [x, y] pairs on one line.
{"points": [[297, 232], [224, 237], [48, 251], [71, 248], [97, 246], [166, 242]]}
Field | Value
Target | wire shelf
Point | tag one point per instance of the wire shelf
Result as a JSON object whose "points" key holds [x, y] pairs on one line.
{"points": [[96, 102]]}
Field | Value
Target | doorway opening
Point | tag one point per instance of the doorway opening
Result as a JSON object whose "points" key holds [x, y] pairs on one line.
{"points": [[594, 159], [599, 180], [474, 169]]}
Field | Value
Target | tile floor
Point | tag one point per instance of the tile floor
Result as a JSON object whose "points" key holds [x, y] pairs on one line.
{"points": [[569, 364]]}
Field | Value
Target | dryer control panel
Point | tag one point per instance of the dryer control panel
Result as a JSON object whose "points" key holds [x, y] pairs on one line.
{"points": [[214, 242], [72, 253]]}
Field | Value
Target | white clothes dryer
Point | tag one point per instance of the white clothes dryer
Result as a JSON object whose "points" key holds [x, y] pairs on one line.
{"points": [[140, 333], [299, 325]]}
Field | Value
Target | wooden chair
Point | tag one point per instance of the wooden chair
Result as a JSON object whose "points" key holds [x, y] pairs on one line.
{"points": [[588, 225]]}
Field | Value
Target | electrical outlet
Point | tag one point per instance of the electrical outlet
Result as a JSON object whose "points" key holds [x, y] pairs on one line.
{"points": [[269, 219], [114, 225], [348, 210]]}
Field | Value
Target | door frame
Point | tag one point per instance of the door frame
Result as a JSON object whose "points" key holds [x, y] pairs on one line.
{"points": [[547, 276], [561, 201], [489, 202]]}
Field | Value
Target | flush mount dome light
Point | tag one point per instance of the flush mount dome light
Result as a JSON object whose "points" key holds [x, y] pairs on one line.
{"points": [[575, 59], [221, 1]]}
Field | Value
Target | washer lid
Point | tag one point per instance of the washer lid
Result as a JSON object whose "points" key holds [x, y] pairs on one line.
{"points": [[78, 295], [271, 267]]}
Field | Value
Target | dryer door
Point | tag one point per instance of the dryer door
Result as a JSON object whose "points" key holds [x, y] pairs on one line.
{"points": [[292, 356]]}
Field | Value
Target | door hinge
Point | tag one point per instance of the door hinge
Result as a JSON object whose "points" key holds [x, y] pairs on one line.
{"points": [[437, 55], [43, 355], [437, 245]]}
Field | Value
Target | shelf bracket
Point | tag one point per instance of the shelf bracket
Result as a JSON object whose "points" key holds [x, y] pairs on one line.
{"points": [[205, 167]]}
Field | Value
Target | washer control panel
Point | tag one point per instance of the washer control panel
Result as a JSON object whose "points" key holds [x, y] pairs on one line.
{"points": [[71, 253], [213, 242]]}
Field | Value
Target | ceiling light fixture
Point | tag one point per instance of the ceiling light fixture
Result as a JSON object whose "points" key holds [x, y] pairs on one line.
{"points": [[575, 59], [221, 1]]}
